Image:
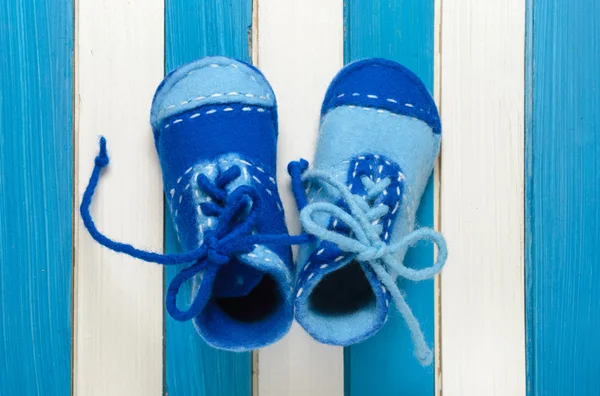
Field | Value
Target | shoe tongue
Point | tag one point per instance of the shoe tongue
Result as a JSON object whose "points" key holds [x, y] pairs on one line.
{"points": [[242, 274], [236, 279], [376, 169]]}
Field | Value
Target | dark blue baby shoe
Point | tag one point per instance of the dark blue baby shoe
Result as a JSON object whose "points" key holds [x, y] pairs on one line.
{"points": [[378, 141], [215, 129]]}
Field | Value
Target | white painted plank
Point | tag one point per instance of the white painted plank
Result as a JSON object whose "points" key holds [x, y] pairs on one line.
{"points": [[118, 300], [300, 48], [482, 201]]}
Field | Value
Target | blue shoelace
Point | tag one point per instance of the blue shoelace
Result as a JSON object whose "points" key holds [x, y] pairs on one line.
{"points": [[365, 242], [236, 214]]}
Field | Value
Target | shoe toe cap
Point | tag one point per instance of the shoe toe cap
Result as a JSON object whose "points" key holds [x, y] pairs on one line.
{"points": [[383, 84], [210, 81]]}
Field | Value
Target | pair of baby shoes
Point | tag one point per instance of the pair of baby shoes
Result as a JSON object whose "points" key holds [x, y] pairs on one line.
{"points": [[215, 130]]}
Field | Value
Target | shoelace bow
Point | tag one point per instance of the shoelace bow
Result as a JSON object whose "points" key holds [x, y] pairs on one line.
{"points": [[236, 212], [366, 243]]}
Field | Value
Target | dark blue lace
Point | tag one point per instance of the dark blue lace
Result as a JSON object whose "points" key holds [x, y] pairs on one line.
{"points": [[236, 212]]}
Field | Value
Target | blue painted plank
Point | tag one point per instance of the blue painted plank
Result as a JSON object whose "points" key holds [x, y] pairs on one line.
{"points": [[36, 190], [401, 30], [563, 197], [196, 28]]}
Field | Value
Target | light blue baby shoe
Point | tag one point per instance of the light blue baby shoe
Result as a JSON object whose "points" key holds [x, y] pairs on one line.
{"points": [[215, 128], [378, 141]]}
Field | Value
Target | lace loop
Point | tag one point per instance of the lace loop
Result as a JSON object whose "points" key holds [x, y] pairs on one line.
{"points": [[233, 235], [366, 242]]}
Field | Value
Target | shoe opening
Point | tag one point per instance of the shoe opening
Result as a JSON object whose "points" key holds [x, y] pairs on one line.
{"points": [[247, 321], [255, 306], [342, 292]]}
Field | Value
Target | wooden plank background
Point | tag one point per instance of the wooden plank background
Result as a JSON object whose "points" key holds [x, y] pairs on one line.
{"points": [[482, 215], [401, 30], [563, 197], [299, 50], [118, 327], [518, 194], [36, 197], [196, 28]]}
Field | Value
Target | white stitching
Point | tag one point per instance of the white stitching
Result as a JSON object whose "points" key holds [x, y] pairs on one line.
{"points": [[212, 111], [264, 98], [372, 96]]}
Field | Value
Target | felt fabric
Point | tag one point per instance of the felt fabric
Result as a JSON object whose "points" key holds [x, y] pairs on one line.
{"points": [[378, 139], [382, 84], [208, 117]]}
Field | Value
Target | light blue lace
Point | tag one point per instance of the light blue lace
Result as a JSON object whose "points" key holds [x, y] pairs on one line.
{"points": [[366, 243]]}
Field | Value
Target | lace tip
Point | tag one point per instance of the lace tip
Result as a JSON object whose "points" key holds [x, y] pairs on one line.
{"points": [[298, 167], [102, 158], [303, 164], [425, 358]]}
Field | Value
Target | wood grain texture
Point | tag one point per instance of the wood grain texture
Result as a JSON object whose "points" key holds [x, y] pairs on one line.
{"points": [[119, 300], [563, 197], [196, 28], [482, 197], [300, 48], [401, 30], [36, 197]]}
